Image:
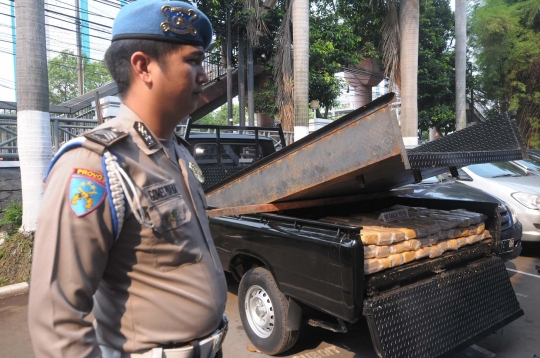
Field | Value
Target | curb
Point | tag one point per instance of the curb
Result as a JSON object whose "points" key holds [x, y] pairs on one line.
{"points": [[14, 290]]}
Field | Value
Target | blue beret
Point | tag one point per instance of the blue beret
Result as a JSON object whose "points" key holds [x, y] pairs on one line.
{"points": [[171, 21]]}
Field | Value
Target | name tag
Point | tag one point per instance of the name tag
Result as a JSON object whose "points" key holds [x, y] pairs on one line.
{"points": [[161, 191]]}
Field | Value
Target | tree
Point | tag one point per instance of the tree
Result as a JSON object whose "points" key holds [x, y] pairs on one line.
{"points": [[436, 84], [505, 35], [219, 117], [341, 35], [63, 76], [33, 119]]}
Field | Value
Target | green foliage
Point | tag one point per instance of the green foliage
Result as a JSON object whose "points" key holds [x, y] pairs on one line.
{"points": [[63, 84], [436, 79], [342, 34], [12, 216], [220, 116], [265, 100], [505, 35]]}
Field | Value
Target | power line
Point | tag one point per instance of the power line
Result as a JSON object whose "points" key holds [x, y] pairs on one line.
{"points": [[72, 7], [82, 21]]}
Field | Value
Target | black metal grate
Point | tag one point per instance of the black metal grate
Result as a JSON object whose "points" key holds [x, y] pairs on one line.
{"points": [[216, 174], [496, 140], [434, 316]]}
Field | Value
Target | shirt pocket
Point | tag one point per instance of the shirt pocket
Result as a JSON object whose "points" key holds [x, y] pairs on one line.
{"points": [[173, 244]]}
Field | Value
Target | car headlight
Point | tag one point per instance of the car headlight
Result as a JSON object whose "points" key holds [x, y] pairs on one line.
{"points": [[530, 201], [513, 214]]}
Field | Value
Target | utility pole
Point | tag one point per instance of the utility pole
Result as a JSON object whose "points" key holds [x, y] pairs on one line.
{"points": [[461, 63], [250, 84], [300, 23], [33, 119], [80, 68], [241, 80], [229, 70]]}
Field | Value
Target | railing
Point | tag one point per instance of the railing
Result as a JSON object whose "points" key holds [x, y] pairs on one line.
{"points": [[64, 129]]}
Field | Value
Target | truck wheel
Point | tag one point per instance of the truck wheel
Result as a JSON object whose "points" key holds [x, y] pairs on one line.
{"points": [[263, 309]]}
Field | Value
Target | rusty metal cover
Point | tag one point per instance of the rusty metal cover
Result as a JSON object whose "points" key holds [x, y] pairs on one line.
{"points": [[360, 152]]}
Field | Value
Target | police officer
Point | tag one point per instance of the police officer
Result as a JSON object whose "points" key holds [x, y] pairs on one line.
{"points": [[123, 231]]}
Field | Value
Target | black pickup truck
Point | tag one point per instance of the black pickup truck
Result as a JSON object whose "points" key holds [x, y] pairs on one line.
{"points": [[294, 269]]}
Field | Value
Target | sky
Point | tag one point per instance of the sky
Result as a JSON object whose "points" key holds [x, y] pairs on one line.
{"points": [[60, 34]]}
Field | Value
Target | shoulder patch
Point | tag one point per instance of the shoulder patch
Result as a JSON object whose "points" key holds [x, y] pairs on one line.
{"points": [[145, 134], [106, 136], [86, 191]]}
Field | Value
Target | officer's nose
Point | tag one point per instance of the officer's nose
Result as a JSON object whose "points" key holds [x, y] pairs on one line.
{"points": [[202, 77]]}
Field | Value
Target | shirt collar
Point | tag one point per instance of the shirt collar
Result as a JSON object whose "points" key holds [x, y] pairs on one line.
{"points": [[145, 139]]}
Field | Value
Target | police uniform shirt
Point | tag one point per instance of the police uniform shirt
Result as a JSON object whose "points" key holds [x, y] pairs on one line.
{"points": [[153, 286]]}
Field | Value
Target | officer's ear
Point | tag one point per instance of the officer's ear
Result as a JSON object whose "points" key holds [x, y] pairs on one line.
{"points": [[143, 67]]}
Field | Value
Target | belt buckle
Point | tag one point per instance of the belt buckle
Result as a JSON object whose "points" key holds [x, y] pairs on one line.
{"points": [[219, 335]]}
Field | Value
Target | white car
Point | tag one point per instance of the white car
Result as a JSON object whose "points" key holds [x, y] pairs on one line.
{"points": [[513, 185]]}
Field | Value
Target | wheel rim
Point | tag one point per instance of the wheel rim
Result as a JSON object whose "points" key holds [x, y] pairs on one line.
{"points": [[259, 311]]}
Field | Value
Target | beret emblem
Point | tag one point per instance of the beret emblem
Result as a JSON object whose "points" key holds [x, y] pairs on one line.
{"points": [[179, 20]]}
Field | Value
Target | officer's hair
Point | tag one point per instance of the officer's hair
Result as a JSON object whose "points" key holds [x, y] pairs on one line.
{"points": [[118, 58]]}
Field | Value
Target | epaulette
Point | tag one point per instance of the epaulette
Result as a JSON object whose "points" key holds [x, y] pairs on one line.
{"points": [[182, 141], [106, 136]]}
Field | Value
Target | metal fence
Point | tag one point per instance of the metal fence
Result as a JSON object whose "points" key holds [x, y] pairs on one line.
{"points": [[64, 129]]}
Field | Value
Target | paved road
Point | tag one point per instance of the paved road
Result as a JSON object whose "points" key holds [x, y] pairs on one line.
{"points": [[521, 338]]}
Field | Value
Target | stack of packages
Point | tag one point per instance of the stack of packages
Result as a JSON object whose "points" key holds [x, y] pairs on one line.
{"points": [[425, 233]]}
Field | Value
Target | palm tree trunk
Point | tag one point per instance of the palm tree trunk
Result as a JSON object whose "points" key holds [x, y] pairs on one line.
{"points": [[300, 22], [409, 23], [33, 119], [461, 63]]}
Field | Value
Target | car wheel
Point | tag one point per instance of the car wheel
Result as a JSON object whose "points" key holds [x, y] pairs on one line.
{"points": [[263, 310]]}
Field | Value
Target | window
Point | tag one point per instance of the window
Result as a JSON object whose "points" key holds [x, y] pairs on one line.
{"points": [[236, 154], [496, 170]]}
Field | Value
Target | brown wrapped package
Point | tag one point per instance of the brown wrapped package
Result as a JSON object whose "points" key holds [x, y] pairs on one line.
{"points": [[486, 234], [462, 241], [376, 265], [443, 245], [436, 251], [475, 218], [396, 248], [408, 256], [412, 245], [445, 223], [417, 230], [474, 238], [453, 233], [463, 221], [397, 236], [374, 251], [452, 245], [423, 252], [478, 229], [431, 226], [396, 259], [409, 233], [376, 237], [429, 241]]}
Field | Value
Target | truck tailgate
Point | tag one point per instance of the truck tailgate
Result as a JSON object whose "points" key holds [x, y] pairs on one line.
{"points": [[443, 313]]}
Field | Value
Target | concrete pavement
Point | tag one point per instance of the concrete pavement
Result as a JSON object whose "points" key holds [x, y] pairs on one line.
{"points": [[520, 338]]}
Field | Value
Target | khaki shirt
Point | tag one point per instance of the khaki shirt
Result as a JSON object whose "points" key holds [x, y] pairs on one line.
{"points": [[153, 286]]}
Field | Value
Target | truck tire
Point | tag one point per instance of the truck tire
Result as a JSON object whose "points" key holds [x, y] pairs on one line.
{"points": [[263, 310]]}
